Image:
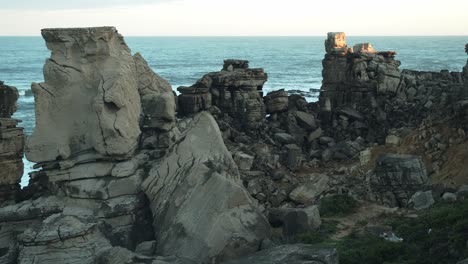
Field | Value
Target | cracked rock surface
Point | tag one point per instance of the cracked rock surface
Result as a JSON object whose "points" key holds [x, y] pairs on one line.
{"points": [[200, 209], [89, 102]]}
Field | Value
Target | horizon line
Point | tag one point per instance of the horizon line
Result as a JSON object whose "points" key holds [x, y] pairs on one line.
{"points": [[266, 36]]}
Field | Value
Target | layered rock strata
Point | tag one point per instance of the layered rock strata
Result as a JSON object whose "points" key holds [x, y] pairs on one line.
{"points": [[11, 144], [236, 90]]}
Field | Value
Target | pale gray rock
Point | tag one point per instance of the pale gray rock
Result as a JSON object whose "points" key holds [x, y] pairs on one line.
{"points": [[149, 82], [306, 120], [70, 238], [291, 254], [449, 197], [147, 248], [421, 200], [310, 190], [243, 161], [200, 209], [89, 102]]}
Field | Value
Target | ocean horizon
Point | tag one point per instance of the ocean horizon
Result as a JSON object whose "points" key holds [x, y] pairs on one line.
{"points": [[292, 62]]}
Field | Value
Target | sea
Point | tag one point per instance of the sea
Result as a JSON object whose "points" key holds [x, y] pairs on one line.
{"points": [[292, 63]]}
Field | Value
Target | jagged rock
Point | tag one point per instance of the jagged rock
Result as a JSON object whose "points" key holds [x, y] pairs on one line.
{"points": [[276, 101], [294, 156], [8, 97], [193, 100], [336, 43], [295, 221], [421, 200], [351, 78], [243, 161], [11, 145], [315, 135], [310, 190], [89, 102], [70, 238], [363, 48], [397, 177], [199, 207], [236, 91], [147, 248], [306, 120], [284, 138], [291, 254]]}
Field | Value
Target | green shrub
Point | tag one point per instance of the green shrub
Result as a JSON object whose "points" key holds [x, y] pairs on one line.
{"points": [[328, 228], [337, 206]]}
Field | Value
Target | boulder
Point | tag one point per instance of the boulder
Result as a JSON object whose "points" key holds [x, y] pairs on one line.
{"points": [[310, 190], [363, 48], [276, 101], [243, 161], [449, 197], [294, 157], [291, 254], [421, 200], [306, 120], [89, 102], [70, 238], [336, 43], [199, 207], [295, 221], [397, 177]]}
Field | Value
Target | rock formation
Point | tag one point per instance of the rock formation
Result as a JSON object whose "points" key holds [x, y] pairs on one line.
{"points": [[130, 173], [117, 170], [199, 206], [92, 78], [11, 145], [351, 76], [236, 90]]}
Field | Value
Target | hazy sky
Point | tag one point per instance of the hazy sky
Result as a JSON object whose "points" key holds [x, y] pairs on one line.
{"points": [[239, 17]]}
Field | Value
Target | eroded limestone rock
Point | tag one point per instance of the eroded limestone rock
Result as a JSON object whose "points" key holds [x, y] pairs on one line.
{"points": [[199, 207], [89, 102]]}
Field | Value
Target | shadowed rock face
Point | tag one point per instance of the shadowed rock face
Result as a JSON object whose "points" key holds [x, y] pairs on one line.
{"points": [[11, 144], [8, 97], [89, 103]]}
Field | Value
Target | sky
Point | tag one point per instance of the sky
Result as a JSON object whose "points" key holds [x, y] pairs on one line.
{"points": [[239, 17]]}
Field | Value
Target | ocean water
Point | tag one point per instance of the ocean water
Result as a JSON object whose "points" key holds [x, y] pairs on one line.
{"points": [[292, 63]]}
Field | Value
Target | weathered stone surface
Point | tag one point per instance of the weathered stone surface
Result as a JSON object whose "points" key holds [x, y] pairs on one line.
{"points": [[308, 191], [397, 177], [363, 47], [276, 101], [11, 145], [71, 238], [236, 91], [336, 43], [200, 209], [291, 254], [295, 221], [243, 161], [421, 200], [89, 102]]}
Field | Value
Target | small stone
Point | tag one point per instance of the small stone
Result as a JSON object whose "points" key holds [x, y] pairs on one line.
{"points": [[243, 161], [449, 197], [421, 200], [147, 248]]}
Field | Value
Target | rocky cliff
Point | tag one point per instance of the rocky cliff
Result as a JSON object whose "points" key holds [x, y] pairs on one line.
{"points": [[130, 173], [11, 145]]}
